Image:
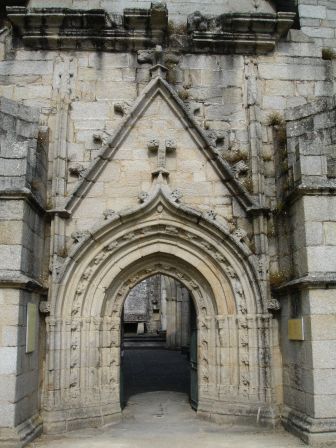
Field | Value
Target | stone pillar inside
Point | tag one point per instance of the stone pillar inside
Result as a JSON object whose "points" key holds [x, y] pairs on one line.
{"points": [[177, 318]]}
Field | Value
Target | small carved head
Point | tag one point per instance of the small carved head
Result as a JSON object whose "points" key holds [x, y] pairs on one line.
{"points": [[143, 196]]}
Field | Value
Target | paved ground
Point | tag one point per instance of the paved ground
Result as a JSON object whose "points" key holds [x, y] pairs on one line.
{"points": [[165, 420]]}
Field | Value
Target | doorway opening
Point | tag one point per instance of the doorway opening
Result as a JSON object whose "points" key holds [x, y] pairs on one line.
{"points": [[158, 340]]}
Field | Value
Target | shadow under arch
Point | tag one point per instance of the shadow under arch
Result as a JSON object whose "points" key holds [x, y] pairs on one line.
{"points": [[163, 357]]}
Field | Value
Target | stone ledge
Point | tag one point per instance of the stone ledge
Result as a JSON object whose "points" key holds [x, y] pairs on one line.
{"points": [[23, 194], [314, 280], [17, 280], [61, 212], [324, 187], [22, 434]]}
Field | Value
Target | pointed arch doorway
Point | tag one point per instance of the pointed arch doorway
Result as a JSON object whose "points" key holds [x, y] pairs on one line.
{"points": [[233, 324], [159, 340]]}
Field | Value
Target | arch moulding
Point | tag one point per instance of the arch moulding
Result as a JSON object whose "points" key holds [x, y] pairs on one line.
{"points": [[83, 329]]}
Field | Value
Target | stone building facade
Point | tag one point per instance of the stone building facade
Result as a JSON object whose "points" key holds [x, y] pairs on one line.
{"points": [[189, 139]]}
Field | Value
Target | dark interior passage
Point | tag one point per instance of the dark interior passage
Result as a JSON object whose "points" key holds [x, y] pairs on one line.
{"points": [[147, 370], [156, 334]]}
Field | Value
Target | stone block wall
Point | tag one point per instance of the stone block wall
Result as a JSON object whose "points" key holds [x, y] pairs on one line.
{"points": [[309, 209], [318, 20], [136, 304], [23, 156], [22, 174], [80, 95], [311, 154]]}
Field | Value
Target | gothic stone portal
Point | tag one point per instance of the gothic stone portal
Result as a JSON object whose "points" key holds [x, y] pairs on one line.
{"points": [[158, 237], [166, 162]]}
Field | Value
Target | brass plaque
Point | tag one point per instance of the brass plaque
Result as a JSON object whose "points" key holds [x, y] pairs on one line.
{"points": [[295, 329], [31, 327]]}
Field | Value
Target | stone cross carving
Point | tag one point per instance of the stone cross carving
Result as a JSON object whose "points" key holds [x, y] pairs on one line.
{"points": [[162, 150]]}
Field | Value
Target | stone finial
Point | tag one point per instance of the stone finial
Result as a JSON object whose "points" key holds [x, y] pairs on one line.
{"points": [[158, 71]]}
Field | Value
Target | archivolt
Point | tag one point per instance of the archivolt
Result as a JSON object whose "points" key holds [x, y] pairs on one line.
{"points": [[197, 248]]}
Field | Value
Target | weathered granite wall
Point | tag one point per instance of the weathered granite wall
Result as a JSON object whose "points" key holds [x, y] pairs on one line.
{"points": [[22, 195], [318, 20], [84, 96], [308, 211]]}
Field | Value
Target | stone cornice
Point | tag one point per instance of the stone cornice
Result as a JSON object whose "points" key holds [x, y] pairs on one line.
{"points": [[23, 194], [328, 188], [17, 280], [313, 280], [61, 28], [247, 33]]}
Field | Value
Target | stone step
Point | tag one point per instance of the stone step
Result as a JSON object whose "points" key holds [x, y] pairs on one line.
{"points": [[144, 341]]}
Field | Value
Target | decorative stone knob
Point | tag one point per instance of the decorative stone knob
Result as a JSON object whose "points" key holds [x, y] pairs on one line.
{"points": [[153, 144], [170, 144]]}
